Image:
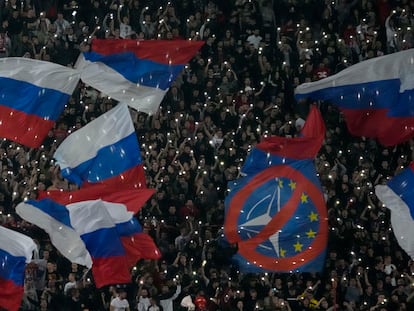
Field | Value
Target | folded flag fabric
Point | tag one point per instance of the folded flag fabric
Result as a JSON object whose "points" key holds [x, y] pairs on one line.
{"points": [[398, 197], [138, 245], [133, 198], [55, 220], [276, 211], [138, 73], [106, 150], [16, 251], [97, 228], [33, 94], [376, 96]]}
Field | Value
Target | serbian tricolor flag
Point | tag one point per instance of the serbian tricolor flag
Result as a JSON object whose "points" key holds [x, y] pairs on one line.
{"points": [[33, 94], [106, 150], [16, 251], [276, 212], [398, 197], [138, 73], [376, 96]]}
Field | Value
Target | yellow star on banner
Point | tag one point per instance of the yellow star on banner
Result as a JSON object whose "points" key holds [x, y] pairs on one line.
{"points": [[311, 234], [292, 185], [280, 183], [304, 198], [313, 216], [298, 246], [282, 252]]}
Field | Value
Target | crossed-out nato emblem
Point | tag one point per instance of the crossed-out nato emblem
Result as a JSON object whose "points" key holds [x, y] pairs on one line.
{"points": [[278, 218]]}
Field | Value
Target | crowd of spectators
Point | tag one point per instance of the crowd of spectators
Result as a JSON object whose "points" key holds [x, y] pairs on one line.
{"points": [[236, 90]]}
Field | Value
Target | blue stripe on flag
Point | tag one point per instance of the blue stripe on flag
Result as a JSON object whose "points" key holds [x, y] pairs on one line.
{"points": [[53, 209], [12, 267], [140, 71], [402, 185], [109, 161], [31, 99], [103, 243], [129, 228], [374, 95], [405, 105]]}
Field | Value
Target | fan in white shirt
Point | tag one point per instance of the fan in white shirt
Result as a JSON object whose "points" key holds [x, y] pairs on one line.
{"points": [[120, 303], [143, 300]]}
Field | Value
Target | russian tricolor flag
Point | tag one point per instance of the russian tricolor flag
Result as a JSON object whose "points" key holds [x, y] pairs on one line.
{"points": [[33, 94], [101, 227], [16, 251], [105, 150], [133, 198], [398, 196], [138, 245], [138, 73], [376, 96], [55, 220]]}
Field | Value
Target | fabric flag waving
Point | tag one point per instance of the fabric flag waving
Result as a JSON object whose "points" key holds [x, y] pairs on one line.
{"points": [[105, 150], [55, 220], [398, 197], [276, 212], [138, 73], [33, 94], [133, 198], [16, 251], [99, 225], [376, 96], [138, 245]]}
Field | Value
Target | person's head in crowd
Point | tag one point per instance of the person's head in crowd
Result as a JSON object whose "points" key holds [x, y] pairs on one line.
{"points": [[121, 292], [144, 293]]}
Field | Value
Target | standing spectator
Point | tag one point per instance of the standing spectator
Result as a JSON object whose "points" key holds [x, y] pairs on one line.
{"points": [[14, 30], [148, 26], [61, 24], [185, 236], [167, 296], [71, 283], [143, 299], [255, 38], [391, 33], [125, 29], [154, 305], [120, 302], [5, 43], [73, 302]]}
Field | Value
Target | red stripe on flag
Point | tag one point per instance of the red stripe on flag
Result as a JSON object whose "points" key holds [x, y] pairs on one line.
{"points": [[140, 246], [10, 295], [174, 52], [133, 198], [110, 270], [134, 177], [374, 123], [26, 129]]}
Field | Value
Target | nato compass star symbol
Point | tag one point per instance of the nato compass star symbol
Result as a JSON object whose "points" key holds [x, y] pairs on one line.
{"points": [[252, 225]]}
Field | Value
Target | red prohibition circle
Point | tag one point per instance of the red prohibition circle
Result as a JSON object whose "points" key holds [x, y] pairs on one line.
{"points": [[247, 248]]}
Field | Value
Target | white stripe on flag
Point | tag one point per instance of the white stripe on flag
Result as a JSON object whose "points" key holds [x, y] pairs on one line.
{"points": [[40, 73], [393, 66], [401, 221], [16, 244], [108, 81], [105, 130], [89, 216], [64, 238]]}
